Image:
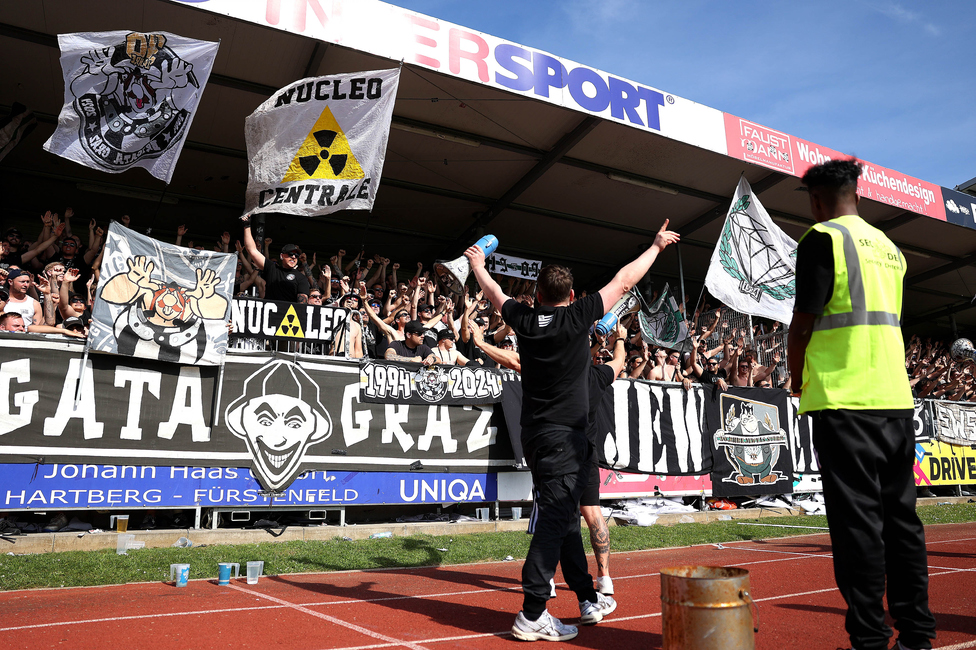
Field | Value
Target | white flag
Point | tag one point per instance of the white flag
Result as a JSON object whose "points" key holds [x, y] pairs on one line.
{"points": [[752, 269], [318, 145], [129, 98]]}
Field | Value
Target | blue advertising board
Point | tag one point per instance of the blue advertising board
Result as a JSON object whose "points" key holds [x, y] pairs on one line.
{"points": [[75, 486]]}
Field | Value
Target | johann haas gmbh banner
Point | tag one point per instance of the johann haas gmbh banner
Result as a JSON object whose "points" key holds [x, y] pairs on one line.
{"points": [[129, 98], [318, 145]]}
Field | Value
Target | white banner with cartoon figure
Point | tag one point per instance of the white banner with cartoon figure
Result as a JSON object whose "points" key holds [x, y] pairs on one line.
{"points": [[129, 98], [318, 145], [160, 301]]}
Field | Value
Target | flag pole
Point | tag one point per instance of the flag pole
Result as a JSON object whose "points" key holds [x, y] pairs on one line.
{"points": [[81, 375], [681, 279]]}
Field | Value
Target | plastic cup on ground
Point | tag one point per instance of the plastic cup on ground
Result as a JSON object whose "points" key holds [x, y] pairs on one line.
{"points": [[254, 571], [179, 573], [122, 544], [121, 523], [516, 514], [223, 572]]}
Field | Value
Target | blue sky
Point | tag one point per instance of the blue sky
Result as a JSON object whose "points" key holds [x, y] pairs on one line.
{"points": [[890, 82]]}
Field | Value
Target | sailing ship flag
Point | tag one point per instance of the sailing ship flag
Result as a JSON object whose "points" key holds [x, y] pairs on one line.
{"points": [[318, 145], [753, 266], [129, 98]]}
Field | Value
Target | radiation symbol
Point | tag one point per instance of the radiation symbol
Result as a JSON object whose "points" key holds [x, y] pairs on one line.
{"points": [[290, 325], [325, 154]]}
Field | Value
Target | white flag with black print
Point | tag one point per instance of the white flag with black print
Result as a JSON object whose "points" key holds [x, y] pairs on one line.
{"points": [[753, 266], [129, 98], [318, 145]]}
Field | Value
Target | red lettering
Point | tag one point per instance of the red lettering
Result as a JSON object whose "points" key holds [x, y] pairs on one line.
{"points": [[456, 52], [426, 41]]}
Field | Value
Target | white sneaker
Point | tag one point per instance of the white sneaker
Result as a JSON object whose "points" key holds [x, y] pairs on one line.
{"points": [[552, 587], [547, 628], [591, 613], [604, 585]]}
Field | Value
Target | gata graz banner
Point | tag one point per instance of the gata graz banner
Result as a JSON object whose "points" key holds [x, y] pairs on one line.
{"points": [[286, 321], [276, 417], [401, 382]]}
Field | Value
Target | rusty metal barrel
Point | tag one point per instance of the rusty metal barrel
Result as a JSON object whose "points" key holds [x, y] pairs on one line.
{"points": [[707, 608]]}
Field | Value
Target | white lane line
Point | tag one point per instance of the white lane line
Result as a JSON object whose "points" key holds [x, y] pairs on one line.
{"points": [[331, 619], [958, 646], [139, 616]]}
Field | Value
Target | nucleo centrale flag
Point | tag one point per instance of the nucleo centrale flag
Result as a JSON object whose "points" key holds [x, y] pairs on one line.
{"points": [[318, 145]]}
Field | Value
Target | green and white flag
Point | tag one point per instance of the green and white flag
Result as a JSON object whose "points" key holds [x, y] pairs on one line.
{"points": [[752, 269], [663, 324]]}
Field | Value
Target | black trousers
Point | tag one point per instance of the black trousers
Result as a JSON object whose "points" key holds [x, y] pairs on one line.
{"points": [[866, 464], [559, 458]]}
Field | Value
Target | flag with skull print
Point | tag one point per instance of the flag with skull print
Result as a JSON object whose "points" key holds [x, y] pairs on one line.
{"points": [[160, 301], [129, 98]]}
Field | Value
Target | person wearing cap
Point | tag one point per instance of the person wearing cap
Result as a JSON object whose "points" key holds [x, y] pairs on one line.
{"points": [[413, 347], [446, 353], [19, 283], [283, 280]]}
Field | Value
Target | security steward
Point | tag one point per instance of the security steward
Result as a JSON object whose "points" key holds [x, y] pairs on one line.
{"points": [[846, 343]]}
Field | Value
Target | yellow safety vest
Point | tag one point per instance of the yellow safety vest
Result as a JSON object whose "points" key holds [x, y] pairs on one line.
{"points": [[856, 355]]}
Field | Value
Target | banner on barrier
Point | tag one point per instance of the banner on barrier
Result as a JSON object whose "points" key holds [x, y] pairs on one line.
{"points": [[286, 321], [954, 422], [398, 382], [939, 463], [277, 417], [30, 486], [751, 445], [512, 266]]}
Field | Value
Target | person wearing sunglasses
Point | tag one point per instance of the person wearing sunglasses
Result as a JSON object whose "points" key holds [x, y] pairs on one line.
{"points": [[284, 280]]}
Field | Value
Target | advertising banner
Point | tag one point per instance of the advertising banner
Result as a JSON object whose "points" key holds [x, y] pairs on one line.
{"points": [[764, 146], [624, 485], [277, 417], [398, 382], [960, 208], [401, 35], [286, 321], [26, 486], [129, 98], [939, 463], [954, 422]]}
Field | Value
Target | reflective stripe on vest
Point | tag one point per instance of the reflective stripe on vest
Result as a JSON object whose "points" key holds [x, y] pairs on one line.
{"points": [[859, 314]]}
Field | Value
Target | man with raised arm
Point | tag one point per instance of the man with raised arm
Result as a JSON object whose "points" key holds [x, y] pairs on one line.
{"points": [[553, 338]]}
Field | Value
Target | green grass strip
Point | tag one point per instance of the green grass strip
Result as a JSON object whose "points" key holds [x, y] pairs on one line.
{"points": [[104, 567]]}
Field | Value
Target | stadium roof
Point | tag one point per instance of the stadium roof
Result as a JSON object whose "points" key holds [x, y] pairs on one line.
{"points": [[560, 161]]}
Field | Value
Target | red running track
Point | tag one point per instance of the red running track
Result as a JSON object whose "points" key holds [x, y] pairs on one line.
{"points": [[470, 606]]}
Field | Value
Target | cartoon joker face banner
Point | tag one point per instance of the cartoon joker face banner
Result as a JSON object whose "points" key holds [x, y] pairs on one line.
{"points": [[129, 98], [159, 301]]}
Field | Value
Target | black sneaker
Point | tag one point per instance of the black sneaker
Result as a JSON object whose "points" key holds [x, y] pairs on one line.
{"points": [[148, 522]]}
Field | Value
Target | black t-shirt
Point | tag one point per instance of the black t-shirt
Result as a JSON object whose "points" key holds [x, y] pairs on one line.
{"points": [[554, 345], [77, 262], [815, 287], [283, 284], [709, 377], [400, 349], [599, 377], [473, 353]]}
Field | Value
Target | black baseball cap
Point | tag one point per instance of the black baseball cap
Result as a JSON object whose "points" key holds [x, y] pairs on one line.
{"points": [[4, 296], [74, 321], [11, 231], [290, 248], [445, 334], [74, 297], [414, 327], [426, 308]]}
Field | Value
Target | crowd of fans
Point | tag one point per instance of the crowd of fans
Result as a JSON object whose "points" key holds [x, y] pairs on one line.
{"points": [[47, 286]]}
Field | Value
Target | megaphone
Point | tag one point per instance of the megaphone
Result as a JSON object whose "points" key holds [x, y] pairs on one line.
{"points": [[628, 303], [962, 350], [454, 274]]}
